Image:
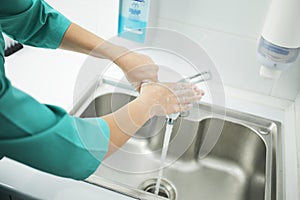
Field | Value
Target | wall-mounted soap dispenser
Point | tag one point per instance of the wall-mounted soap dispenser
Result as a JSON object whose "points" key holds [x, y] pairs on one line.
{"points": [[134, 17], [279, 45]]}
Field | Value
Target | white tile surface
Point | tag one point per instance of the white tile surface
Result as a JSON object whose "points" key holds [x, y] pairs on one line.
{"points": [[98, 16], [233, 56], [288, 85], [230, 36], [297, 103], [241, 17], [290, 155]]}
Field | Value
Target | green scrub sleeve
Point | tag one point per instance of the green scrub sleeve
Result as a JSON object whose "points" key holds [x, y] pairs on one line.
{"points": [[43, 136], [47, 138], [34, 23]]}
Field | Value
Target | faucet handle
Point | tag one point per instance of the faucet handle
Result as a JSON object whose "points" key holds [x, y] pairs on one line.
{"points": [[198, 78]]}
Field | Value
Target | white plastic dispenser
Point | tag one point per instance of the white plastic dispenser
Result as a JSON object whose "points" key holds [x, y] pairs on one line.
{"points": [[279, 44]]}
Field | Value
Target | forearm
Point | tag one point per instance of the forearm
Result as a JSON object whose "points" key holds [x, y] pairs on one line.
{"points": [[81, 40], [125, 122], [137, 67]]}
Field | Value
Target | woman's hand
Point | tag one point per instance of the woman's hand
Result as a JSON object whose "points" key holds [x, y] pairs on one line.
{"points": [[168, 98], [137, 68]]}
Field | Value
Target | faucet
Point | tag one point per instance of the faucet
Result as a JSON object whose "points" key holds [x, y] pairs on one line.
{"points": [[198, 78], [171, 118]]}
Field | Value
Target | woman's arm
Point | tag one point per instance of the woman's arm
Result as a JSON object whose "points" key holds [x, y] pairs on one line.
{"points": [[137, 67], [81, 40]]}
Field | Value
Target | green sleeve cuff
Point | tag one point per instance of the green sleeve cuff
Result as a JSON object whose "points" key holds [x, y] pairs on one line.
{"points": [[39, 25], [57, 27]]}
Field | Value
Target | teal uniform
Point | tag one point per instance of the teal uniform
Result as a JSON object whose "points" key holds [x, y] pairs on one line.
{"points": [[42, 136]]}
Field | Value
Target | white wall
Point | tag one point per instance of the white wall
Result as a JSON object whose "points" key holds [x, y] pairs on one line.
{"points": [[297, 105], [298, 115], [98, 16], [229, 31]]}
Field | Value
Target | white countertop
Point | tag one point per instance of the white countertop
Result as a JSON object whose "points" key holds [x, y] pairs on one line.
{"points": [[51, 75]]}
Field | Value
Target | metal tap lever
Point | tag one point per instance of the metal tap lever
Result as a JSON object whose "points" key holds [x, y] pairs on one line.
{"points": [[198, 78]]}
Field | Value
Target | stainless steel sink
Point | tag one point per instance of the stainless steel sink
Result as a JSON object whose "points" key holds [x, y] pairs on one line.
{"points": [[245, 163]]}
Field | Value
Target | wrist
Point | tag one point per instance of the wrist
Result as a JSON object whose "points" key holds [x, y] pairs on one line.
{"points": [[111, 51], [140, 111]]}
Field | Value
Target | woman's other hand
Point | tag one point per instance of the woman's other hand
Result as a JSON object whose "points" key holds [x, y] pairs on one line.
{"points": [[168, 98]]}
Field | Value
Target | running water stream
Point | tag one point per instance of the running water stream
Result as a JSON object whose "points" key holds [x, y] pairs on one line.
{"points": [[169, 128], [200, 77]]}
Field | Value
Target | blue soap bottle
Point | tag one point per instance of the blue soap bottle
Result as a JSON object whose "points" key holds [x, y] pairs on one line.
{"points": [[133, 19]]}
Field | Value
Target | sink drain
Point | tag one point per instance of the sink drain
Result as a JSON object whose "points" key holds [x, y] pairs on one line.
{"points": [[162, 191], [166, 189]]}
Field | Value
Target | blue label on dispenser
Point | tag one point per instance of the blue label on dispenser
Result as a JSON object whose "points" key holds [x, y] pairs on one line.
{"points": [[133, 19]]}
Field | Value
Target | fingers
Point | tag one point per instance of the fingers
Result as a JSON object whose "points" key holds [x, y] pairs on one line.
{"points": [[182, 108], [188, 100], [186, 93], [183, 96], [170, 97]]}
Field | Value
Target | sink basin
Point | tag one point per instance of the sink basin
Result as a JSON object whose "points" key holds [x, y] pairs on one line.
{"points": [[244, 164]]}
